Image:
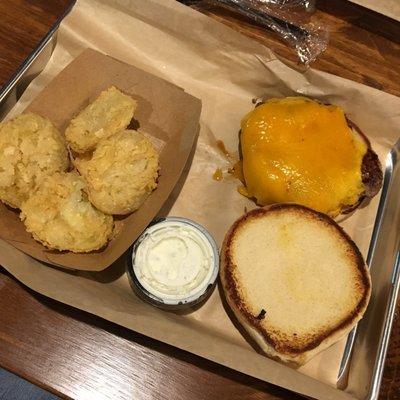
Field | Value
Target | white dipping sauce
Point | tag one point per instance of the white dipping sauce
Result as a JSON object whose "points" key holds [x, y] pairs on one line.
{"points": [[174, 261]]}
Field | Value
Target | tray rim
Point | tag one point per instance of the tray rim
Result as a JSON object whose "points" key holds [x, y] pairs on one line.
{"points": [[377, 372], [32, 57]]}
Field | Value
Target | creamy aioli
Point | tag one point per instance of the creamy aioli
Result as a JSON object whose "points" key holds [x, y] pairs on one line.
{"points": [[174, 261]]}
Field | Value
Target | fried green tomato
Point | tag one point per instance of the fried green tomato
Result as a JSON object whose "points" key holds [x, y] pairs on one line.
{"points": [[121, 173], [31, 148], [59, 215], [110, 113]]}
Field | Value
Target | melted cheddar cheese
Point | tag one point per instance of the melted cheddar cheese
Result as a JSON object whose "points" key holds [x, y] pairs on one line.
{"points": [[297, 150]]}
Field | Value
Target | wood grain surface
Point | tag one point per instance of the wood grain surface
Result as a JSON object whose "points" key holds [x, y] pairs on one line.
{"points": [[77, 355]]}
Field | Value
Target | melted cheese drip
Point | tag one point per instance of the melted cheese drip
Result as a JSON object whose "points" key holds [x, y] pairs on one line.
{"points": [[297, 150]]}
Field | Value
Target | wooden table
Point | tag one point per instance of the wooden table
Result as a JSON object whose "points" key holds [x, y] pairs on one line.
{"points": [[76, 355]]}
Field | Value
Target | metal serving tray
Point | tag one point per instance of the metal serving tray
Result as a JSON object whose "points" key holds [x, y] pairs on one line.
{"points": [[365, 352], [370, 339], [32, 66]]}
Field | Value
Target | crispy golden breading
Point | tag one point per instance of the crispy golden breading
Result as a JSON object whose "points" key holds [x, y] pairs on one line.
{"points": [[121, 173], [110, 113], [59, 215], [30, 148]]}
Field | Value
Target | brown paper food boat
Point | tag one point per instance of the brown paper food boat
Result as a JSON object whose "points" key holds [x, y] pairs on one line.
{"points": [[164, 111]]}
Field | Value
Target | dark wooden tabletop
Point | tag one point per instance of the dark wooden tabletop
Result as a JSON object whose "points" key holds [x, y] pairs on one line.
{"points": [[76, 355]]}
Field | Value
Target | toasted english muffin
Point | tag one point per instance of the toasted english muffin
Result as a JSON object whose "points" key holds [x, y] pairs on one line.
{"points": [[299, 150], [121, 173], [59, 215], [31, 148], [111, 112], [294, 279]]}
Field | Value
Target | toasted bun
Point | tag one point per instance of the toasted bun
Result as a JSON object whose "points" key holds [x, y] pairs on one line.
{"points": [[294, 279]]}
